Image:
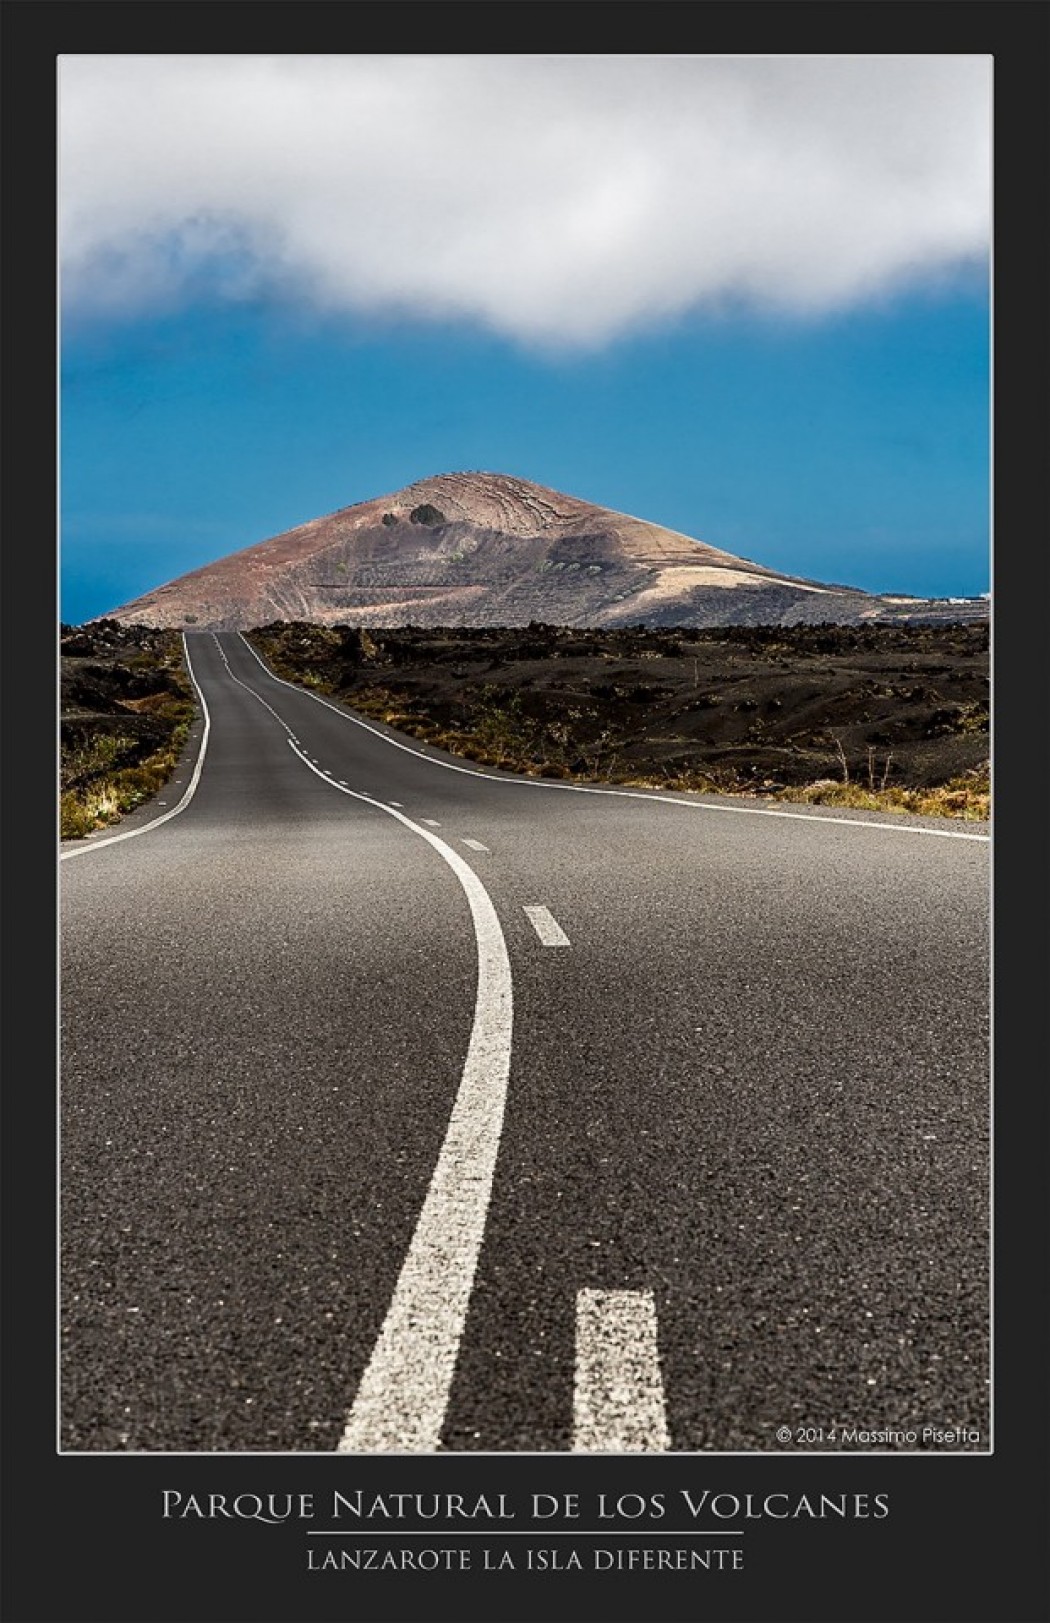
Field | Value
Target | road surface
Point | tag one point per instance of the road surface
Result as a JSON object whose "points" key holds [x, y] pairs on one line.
{"points": [[407, 1107]]}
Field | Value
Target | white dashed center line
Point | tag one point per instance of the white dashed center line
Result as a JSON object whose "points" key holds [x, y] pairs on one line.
{"points": [[547, 927], [400, 806], [475, 845], [431, 822], [618, 1401]]}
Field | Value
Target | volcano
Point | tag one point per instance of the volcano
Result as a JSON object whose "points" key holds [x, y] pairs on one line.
{"points": [[487, 549]]}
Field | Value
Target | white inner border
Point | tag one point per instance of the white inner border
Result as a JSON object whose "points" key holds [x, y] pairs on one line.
{"points": [[504, 1454]]}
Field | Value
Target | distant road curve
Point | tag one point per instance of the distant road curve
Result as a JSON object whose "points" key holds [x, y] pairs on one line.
{"points": [[891, 821]]}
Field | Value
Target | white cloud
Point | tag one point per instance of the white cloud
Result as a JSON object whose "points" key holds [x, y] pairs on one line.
{"points": [[552, 199]]}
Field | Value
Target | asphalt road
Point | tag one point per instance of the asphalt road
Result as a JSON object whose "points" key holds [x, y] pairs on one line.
{"points": [[358, 1154]]}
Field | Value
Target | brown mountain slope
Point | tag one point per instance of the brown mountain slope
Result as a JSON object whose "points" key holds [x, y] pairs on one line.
{"points": [[477, 549]]}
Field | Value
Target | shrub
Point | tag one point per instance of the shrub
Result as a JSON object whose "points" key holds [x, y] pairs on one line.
{"points": [[75, 820], [426, 514]]}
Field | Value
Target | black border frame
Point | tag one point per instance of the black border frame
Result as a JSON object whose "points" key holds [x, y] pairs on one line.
{"points": [[965, 1541]]}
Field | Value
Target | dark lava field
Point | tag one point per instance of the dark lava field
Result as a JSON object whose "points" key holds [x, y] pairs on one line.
{"points": [[741, 708], [126, 706]]}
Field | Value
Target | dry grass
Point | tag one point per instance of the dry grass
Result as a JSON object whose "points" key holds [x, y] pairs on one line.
{"points": [[498, 739], [110, 765], [109, 797], [968, 797]]}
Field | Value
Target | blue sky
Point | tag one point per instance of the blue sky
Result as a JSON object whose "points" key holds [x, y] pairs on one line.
{"points": [[803, 381]]}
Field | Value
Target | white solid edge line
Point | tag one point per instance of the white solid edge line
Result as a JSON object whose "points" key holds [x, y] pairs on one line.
{"points": [[403, 1394], [623, 794], [618, 1392], [131, 833], [547, 927]]}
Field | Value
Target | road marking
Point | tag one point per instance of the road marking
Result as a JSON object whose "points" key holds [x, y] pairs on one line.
{"points": [[403, 1394], [191, 788], [547, 927], [431, 822], [398, 804], [475, 845], [258, 696], [401, 1401], [618, 1398], [620, 794]]}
